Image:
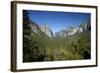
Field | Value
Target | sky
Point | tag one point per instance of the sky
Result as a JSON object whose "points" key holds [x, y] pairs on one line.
{"points": [[58, 20]]}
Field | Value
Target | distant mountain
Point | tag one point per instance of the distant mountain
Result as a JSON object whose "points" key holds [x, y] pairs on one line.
{"points": [[73, 30]]}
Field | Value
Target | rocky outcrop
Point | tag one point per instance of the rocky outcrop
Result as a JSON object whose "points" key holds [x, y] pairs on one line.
{"points": [[86, 26], [34, 27], [46, 29]]}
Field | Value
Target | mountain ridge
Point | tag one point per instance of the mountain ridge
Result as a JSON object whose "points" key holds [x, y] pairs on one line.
{"points": [[68, 31]]}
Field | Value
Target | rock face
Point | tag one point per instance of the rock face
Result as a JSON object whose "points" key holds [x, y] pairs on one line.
{"points": [[46, 29], [86, 26], [69, 31], [73, 30], [34, 27]]}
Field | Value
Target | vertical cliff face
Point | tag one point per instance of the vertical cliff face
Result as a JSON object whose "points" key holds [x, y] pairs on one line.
{"points": [[46, 29], [86, 26]]}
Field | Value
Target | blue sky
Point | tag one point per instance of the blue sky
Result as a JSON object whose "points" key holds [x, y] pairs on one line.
{"points": [[58, 20]]}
